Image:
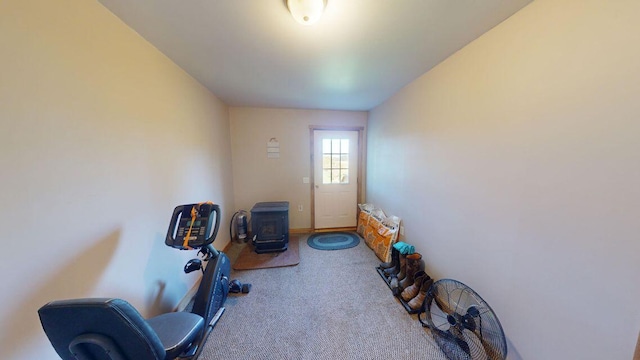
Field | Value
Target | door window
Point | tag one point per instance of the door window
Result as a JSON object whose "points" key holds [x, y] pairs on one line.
{"points": [[335, 161]]}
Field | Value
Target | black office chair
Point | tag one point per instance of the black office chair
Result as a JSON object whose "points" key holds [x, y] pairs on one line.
{"points": [[112, 329]]}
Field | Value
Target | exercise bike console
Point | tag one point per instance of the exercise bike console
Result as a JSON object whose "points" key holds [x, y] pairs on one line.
{"points": [[190, 226]]}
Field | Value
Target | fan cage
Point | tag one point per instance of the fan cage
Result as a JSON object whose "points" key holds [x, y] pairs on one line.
{"points": [[463, 325]]}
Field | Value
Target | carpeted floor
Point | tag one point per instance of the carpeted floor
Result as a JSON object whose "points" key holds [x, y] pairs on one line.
{"points": [[333, 305]]}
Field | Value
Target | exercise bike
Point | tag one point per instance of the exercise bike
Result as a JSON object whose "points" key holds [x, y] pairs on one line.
{"points": [[111, 328], [191, 229]]}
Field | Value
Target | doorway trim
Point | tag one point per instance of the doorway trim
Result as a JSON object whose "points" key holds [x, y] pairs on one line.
{"points": [[359, 172]]}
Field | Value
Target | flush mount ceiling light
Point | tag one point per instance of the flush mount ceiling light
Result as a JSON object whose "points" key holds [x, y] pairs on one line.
{"points": [[306, 12]]}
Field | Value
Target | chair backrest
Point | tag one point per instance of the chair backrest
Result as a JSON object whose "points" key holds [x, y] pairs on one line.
{"points": [[99, 329]]}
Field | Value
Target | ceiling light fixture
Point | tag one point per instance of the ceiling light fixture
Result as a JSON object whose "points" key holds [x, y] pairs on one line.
{"points": [[306, 12]]}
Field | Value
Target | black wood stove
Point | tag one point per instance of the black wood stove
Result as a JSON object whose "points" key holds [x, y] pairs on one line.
{"points": [[270, 226]]}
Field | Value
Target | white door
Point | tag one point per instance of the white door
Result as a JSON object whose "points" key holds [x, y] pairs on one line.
{"points": [[335, 178]]}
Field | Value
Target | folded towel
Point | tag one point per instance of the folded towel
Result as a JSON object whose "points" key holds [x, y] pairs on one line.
{"points": [[404, 248]]}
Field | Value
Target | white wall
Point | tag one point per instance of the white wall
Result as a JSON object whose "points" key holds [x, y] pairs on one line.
{"points": [[101, 136], [515, 165], [257, 178]]}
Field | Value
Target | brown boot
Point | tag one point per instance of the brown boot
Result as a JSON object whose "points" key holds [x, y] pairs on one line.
{"points": [[414, 264], [417, 302], [413, 289]]}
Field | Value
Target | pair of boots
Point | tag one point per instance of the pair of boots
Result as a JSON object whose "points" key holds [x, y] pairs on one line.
{"points": [[407, 278], [401, 271], [415, 294]]}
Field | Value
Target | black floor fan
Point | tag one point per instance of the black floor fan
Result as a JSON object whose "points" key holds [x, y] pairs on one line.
{"points": [[462, 323]]}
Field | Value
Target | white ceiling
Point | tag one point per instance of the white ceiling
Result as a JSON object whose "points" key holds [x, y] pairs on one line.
{"points": [[253, 53]]}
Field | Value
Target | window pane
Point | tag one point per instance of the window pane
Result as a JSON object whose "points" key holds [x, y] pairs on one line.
{"points": [[326, 176], [344, 146], [335, 146], [326, 146], [335, 162], [344, 161], [344, 176], [335, 177], [326, 161]]}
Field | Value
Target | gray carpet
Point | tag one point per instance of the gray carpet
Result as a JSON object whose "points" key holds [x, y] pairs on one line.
{"points": [[333, 305]]}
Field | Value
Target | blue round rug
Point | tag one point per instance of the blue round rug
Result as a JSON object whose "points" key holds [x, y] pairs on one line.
{"points": [[333, 241]]}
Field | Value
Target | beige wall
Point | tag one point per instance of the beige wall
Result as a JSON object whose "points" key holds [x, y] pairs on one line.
{"points": [[257, 178], [515, 166], [101, 136]]}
